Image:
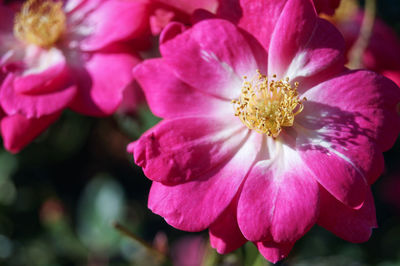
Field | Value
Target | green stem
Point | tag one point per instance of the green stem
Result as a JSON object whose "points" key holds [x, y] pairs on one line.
{"points": [[161, 257]]}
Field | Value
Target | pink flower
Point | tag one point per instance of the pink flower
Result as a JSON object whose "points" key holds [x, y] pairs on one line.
{"points": [[250, 158], [72, 54], [382, 53], [189, 250], [165, 11]]}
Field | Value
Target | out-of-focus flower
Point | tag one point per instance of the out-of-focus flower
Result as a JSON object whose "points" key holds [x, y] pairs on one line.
{"points": [[165, 11], [51, 211], [189, 251], [382, 53], [18, 131], [263, 139], [73, 54]]}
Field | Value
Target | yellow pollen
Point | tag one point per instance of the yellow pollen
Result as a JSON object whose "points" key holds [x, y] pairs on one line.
{"points": [[40, 22], [266, 105]]}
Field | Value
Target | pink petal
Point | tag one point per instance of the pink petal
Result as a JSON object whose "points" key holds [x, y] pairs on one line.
{"points": [[159, 19], [279, 200], [273, 251], [45, 82], [190, 6], [313, 48], [184, 149], [45, 71], [350, 224], [189, 251], [321, 55], [132, 98], [338, 151], [251, 14], [337, 173], [214, 190], [225, 235], [109, 22], [171, 31], [130, 148], [165, 11], [169, 97], [342, 129], [18, 131], [100, 89], [368, 99], [218, 53], [287, 39], [36, 105]]}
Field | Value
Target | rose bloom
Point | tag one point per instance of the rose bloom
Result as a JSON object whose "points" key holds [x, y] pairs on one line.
{"points": [[70, 54], [264, 137]]}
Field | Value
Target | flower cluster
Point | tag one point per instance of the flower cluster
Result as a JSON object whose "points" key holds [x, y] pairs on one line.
{"points": [[265, 132]]}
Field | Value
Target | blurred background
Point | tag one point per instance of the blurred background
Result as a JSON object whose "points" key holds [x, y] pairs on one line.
{"points": [[75, 197]]}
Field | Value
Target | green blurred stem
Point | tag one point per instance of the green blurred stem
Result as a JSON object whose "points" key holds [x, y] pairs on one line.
{"points": [[125, 231], [357, 51]]}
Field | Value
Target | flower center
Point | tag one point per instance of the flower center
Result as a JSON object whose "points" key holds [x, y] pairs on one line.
{"points": [[267, 105], [40, 22]]}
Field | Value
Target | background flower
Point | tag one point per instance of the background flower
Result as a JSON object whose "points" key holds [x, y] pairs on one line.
{"points": [[76, 69], [381, 53]]}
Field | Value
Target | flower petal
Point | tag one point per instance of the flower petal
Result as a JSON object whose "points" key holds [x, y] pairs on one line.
{"points": [[322, 55], [190, 6], [287, 39], [184, 149], [225, 235], [33, 106], [169, 97], [213, 192], [251, 14], [100, 90], [45, 71], [110, 21], [345, 125], [370, 98], [313, 47], [18, 131], [338, 151], [350, 224], [279, 200], [218, 53], [273, 251]]}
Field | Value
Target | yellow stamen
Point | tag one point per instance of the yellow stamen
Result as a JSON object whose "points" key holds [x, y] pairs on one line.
{"points": [[40, 22], [268, 105]]}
